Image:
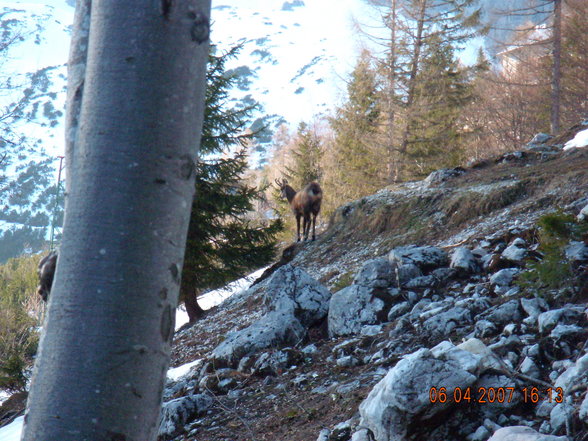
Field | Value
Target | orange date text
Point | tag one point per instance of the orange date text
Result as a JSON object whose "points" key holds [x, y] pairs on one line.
{"points": [[491, 395]]}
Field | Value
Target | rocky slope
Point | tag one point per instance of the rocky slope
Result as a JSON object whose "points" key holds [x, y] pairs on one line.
{"points": [[420, 313], [430, 310]]}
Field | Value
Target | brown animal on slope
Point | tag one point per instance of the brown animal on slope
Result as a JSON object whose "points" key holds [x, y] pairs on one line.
{"points": [[46, 272], [305, 203]]}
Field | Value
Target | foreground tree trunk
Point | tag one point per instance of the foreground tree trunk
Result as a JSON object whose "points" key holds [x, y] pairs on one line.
{"points": [[105, 346]]}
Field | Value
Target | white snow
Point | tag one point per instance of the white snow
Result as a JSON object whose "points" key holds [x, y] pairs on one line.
{"points": [[213, 298], [178, 372], [580, 140], [12, 431]]}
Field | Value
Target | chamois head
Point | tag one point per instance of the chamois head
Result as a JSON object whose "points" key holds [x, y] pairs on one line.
{"points": [[305, 203], [286, 191], [46, 272]]}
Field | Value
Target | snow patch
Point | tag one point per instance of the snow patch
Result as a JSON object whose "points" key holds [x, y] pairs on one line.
{"points": [[12, 431], [215, 297], [580, 140], [176, 373]]}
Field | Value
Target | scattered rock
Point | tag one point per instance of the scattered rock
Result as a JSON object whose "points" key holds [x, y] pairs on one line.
{"points": [[504, 277], [503, 314], [576, 251], [441, 325], [463, 260], [443, 175], [516, 252], [407, 272], [421, 282], [275, 362], [398, 310], [549, 319], [540, 138], [355, 306], [523, 433], [426, 258], [583, 214], [176, 413], [375, 273], [273, 329]]}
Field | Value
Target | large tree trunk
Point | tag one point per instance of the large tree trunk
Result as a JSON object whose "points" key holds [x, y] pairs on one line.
{"points": [[76, 71], [105, 346], [556, 74], [393, 159], [415, 63]]}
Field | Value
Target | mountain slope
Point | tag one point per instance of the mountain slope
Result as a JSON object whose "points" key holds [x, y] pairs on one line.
{"points": [[315, 386]]}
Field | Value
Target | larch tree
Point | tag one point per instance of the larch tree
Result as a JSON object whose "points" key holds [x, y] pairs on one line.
{"points": [[536, 45], [224, 241], [105, 346], [432, 31], [574, 92], [417, 29]]}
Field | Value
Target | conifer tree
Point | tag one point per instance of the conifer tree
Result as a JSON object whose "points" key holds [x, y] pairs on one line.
{"points": [[420, 32], [442, 90], [306, 157], [223, 243], [356, 167]]}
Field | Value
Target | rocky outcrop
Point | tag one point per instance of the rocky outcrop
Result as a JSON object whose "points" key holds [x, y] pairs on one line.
{"points": [[295, 302], [176, 413], [366, 302]]}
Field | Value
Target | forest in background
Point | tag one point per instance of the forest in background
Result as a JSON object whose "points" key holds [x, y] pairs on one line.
{"points": [[414, 107]]}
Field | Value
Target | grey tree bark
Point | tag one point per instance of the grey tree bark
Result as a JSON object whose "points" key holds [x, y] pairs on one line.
{"points": [[105, 346], [76, 71]]}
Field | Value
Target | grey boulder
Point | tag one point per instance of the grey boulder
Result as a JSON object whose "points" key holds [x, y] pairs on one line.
{"points": [[523, 433], [426, 257], [176, 413]]}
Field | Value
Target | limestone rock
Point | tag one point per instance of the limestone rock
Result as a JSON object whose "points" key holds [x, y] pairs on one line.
{"points": [[402, 396], [353, 307], [523, 433], [426, 258], [176, 413], [463, 260]]}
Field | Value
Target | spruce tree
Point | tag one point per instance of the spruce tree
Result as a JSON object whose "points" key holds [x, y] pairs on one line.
{"points": [[442, 90], [223, 243], [306, 157], [420, 31], [357, 156]]}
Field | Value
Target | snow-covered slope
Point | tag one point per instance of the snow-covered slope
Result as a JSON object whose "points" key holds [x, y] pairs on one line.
{"points": [[32, 96]]}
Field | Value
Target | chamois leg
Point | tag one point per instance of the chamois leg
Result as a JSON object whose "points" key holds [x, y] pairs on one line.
{"points": [[306, 227], [313, 226], [298, 228]]}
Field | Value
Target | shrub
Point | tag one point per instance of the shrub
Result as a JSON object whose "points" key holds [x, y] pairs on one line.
{"points": [[19, 318], [553, 271]]}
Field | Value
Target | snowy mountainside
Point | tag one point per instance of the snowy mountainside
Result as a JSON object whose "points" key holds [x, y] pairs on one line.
{"points": [[294, 58], [35, 39]]}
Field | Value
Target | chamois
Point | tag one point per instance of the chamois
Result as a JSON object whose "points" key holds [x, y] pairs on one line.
{"points": [[303, 204], [46, 272]]}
